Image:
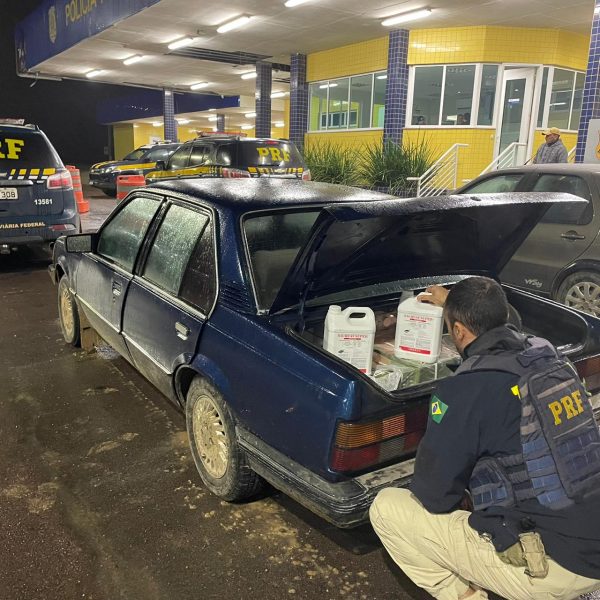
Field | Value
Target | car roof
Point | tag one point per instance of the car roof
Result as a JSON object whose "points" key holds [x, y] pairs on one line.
{"points": [[234, 138], [20, 128], [564, 168], [244, 195]]}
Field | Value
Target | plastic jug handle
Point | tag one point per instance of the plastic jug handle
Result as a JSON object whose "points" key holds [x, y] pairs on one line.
{"points": [[352, 311]]}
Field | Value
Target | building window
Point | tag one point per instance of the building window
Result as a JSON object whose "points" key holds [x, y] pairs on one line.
{"points": [[427, 95], [458, 95], [356, 102], [487, 95], [560, 99]]}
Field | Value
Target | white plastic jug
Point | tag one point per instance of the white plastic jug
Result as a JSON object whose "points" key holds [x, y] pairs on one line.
{"points": [[418, 331], [350, 335]]}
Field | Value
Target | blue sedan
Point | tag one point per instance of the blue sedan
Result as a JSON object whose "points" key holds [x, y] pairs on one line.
{"points": [[217, 292]]}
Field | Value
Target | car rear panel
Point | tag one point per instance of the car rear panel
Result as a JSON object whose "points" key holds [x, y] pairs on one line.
{"points": [[270, 158]]}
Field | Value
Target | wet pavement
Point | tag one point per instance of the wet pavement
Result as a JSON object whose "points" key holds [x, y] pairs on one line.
{"points": [[99, 497]]}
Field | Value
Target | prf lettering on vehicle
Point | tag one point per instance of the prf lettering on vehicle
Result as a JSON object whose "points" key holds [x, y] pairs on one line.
{"points": [[10, 148], [277, 154], [77, 9], [568, 406]]}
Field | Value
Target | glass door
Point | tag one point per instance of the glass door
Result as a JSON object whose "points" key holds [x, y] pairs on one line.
{"points": [[516, 113]]}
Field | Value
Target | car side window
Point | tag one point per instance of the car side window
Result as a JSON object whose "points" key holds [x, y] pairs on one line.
{"points": [[225, 155], [179, 159], [159, 154], [173, 245], [199, 155], [563, 213], [496, 185], [199, 286], [121, 238]]}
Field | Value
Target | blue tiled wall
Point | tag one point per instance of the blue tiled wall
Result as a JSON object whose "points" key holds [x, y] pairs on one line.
{"points": [[298, 99], [169, 115], [397, 86], [264, 73], [590, 108]]}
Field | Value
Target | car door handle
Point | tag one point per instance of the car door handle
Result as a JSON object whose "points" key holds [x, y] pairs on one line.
{"points": [[116, 289], [182, 330], [572, 235]]}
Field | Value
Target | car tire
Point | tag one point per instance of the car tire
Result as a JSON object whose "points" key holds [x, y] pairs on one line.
{"points": [[581, 290], [68, 313], [219, 458]]}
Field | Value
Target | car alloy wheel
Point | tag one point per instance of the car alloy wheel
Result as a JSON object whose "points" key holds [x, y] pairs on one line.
{"points": [[584, 296], [68, 313], [210, 437]]}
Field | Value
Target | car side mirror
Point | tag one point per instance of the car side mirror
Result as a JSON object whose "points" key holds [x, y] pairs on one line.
{"points": [[161, 165], [79, 243]]}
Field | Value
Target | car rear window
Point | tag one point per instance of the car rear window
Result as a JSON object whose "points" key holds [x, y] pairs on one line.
{"points": [[24, 149], [261, 154], [563, 213], [495, 185]]}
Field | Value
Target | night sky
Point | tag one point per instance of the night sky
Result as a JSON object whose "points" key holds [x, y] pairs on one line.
{"points": [[64, 110]]}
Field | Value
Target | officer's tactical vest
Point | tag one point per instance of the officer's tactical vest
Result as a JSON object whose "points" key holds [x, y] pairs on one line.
{"points": [[560, 459]]}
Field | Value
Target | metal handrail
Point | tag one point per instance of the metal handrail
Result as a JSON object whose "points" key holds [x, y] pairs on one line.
{"points": [[441, 176], [509, 157], [571, 155]]}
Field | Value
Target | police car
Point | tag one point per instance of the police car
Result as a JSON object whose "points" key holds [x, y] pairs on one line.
{"points": [[139, 162], [233, 157], [37, 203]]}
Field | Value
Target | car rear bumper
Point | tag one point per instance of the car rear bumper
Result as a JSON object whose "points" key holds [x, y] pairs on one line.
{"points": [[345, 504], [20, 231], [103, 182]]}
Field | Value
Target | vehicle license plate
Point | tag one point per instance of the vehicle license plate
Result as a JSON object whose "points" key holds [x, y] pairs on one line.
{"points": [[8, 194]]}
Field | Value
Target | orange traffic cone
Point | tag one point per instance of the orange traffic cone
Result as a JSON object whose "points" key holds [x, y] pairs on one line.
{"points": [[83, 205]]}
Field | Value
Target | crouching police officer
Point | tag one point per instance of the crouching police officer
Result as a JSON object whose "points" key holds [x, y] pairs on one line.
{"points": [[515, 428]]}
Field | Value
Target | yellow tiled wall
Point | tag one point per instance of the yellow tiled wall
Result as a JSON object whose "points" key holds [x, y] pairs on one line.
{"points": [[498, 44], [345, 139], [354, 59], [123, 138]]}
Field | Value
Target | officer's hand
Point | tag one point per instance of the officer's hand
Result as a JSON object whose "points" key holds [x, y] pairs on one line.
{"points": [[434, 294]]}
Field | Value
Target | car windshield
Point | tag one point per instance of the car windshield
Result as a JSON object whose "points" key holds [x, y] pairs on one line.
{"points": [[136, 154], [24, 149], [274, 241]]}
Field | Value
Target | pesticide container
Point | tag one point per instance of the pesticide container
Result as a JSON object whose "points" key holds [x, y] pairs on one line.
{"points": [[418, 331], [350, 334]]}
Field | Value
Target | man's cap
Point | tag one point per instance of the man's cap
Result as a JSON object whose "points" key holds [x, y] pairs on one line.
{"points": [[552, 130]]}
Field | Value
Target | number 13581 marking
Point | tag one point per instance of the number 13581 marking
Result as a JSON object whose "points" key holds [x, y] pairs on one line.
{"points": [[42, 201]]}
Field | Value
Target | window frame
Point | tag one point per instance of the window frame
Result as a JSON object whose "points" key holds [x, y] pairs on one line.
{"points": [[347, 119], [548, 96]]}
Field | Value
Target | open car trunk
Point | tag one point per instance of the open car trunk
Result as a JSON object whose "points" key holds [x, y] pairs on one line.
{"points": [[565, 328]]}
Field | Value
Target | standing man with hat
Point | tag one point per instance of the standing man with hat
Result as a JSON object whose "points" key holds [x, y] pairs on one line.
{"points": [[553, 150]]}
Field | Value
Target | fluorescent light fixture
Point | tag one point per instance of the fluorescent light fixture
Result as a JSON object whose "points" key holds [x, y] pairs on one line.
{"points": [[199, 85], [247, 126], [250, 115], [381, 76], [181, 43], [278, 94], [133, 59], [156, 124], [235, 24], [412, 15], [94, 73], [182, 121], [292, 3], [279, 124], [212, 118], [327, 85], [250, 75], [212, 109]]}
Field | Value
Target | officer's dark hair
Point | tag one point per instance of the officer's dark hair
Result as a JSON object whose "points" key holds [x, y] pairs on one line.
{"points": [[479, 303]]}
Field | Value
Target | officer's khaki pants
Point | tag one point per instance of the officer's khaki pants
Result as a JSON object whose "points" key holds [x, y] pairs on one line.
{"points": [[443, 555]]}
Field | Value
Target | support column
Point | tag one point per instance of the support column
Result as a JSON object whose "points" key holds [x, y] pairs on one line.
{"points": [[220, 122], [170, 124], [298, 100], [264, 75], [396, 93], [590, 103]]}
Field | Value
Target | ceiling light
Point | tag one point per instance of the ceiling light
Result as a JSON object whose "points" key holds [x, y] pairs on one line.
{"points": [[235, 24], [215, 129], [156, 124], [180, 43], [597, 10], [250, 115], [278, 94], [413, 15], [212, 118], [183, 121], [199, 86], [94, 73], [136, 126], [381, 76], [247, 126], [279, 124], [249, 75], [133, 59], [327, 85], [291, 3]]}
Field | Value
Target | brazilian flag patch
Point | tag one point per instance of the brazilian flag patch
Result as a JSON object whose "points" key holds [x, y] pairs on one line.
{"points": [[438, 409]]}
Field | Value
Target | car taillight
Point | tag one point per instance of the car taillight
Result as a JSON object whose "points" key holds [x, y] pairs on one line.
{"points": [[235, 173], [358, 446], [306, 175], [60, 181], [589, 371]]}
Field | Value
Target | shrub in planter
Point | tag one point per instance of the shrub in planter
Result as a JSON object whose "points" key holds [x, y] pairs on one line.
{"points": [[332, 164]]}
